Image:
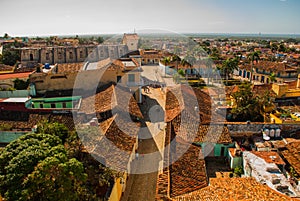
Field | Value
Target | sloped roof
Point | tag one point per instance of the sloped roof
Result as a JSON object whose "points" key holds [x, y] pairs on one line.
{"points": [[269, 66], [229, 189], [116, 146], [109, 99], [185, 99], [205, 133], [292, 155], [188, 173], [99, 102]]}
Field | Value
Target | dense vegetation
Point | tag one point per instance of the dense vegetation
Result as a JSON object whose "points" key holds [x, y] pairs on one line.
{"points": [[50, 165], [248, 105]]}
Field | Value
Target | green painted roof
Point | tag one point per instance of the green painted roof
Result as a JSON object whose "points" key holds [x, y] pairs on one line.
{"points": [[57, 99]]}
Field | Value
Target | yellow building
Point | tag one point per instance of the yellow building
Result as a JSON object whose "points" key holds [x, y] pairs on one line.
{"points": [[285, 90], [88, 76]]}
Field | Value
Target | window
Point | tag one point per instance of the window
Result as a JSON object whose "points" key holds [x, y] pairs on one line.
{"points": [[71, 55], [119, 78], [47, 56], [31, 57], [131, 78], [53, 105], [64, 105], [81, 54], [59, 55]]}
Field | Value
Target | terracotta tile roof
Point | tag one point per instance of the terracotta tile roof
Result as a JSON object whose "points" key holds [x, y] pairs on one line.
{"points": [[269, 157], [99, 102], [261, 89], [152, 54], [4, 67], [163, 180], [269, 66], [292, 155], [14, 75], [188, 173], [115, 149], [278, 144], [34, 119], [205, 133], [184, 99], [174, 103], [104, 125], [111, 98], [126, 102], [230, 189]]}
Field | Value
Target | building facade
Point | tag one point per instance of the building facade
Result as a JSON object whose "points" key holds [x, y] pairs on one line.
{"points": [[70, 54]]}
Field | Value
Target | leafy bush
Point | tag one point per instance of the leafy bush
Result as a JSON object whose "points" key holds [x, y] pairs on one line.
{"points": [[238, 171]]}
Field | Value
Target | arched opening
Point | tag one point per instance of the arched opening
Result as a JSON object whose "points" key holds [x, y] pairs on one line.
{"points": [[71, 55]]}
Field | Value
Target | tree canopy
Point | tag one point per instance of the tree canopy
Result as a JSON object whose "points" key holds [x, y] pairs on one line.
{"points": [[10, 57], [248, 105], [50, 165], [228, 67], [36, 167]]}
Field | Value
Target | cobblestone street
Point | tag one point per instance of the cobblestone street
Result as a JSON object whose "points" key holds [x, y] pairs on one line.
{"points": [[141, 184]]}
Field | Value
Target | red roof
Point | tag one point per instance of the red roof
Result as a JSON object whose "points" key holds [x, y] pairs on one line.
{"points": [[14, 75]]}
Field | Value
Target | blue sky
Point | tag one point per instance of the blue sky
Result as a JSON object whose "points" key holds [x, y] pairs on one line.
{"points": [[53, 17]]}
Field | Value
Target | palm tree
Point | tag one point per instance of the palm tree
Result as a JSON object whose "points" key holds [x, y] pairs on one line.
{"points": [[166, 61], [253, 56], [177, 59], [228, 67]]}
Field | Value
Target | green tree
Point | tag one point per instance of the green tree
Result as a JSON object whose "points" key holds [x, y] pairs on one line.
{"points": [[282, 48], [249, 106], [238, 171], [55, 178], [100, 40], [228, 67], [21, 84], [272, 77], [36, 167], [274, 47], [166, 61], [10, 57], [57, 129], [175, 58], [6, 36], [181, 72]]}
